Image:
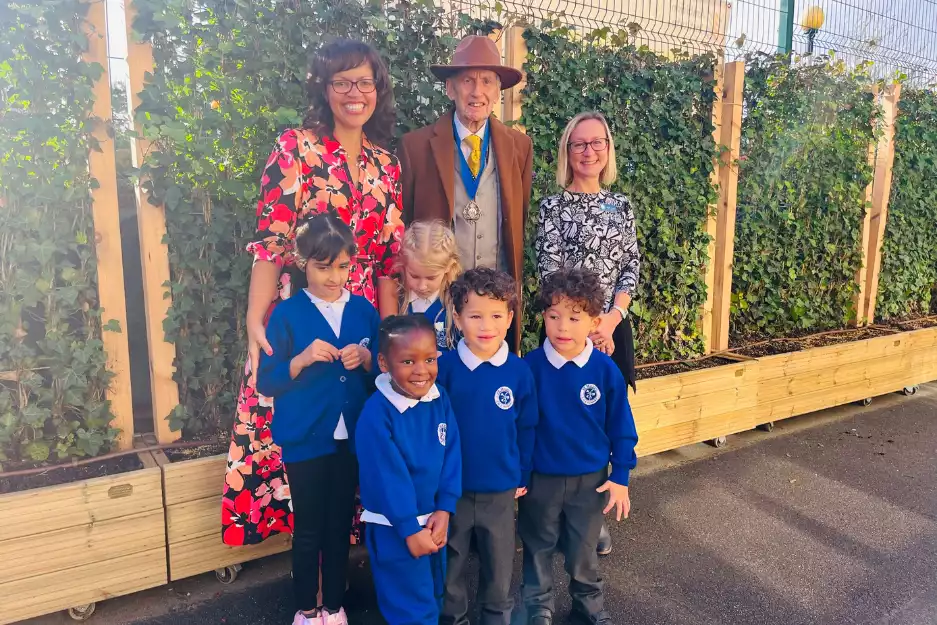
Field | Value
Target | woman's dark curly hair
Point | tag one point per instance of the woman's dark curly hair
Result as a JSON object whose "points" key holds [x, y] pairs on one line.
{"points": [[340, 56], [581, 286], [485, 282]]}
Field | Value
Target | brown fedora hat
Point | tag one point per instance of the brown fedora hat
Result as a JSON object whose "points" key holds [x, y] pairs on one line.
{"points": [[477, 52]]}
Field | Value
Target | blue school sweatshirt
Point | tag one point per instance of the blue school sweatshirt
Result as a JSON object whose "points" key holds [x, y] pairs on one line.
{"points": [[496, 406], [585, 418], [409, 457], [436, 313], [307, 408]]}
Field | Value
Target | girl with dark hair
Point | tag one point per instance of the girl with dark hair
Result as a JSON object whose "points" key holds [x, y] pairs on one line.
{"points": [[333, 164], [319, 375]]}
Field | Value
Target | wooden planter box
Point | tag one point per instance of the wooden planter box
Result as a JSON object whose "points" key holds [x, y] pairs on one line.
{"points": [[676, 410], [74, 544], [192, 490]]}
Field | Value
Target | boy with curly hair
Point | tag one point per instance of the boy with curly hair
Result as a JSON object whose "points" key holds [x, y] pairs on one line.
{"points": [[585, 423], [495, 405]]}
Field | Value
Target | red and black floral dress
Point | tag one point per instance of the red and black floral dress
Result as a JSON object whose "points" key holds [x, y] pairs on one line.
{"points": [[306, 174]]}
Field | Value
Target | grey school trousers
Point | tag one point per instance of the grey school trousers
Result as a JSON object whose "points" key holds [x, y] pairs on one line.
{"points": [[489, 518], [565, 511]]}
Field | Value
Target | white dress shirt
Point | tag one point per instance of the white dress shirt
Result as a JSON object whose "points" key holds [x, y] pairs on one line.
{"points": [[332, 311]]}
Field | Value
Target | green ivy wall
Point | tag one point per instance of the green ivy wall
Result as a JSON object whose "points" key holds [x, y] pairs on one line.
{"points": [[52, 362]]}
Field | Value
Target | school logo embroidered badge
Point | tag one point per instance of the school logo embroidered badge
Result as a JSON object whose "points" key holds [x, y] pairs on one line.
{"points": [[440, 327], [504, 398], [590, 394], [365, 342], [441, 433]]}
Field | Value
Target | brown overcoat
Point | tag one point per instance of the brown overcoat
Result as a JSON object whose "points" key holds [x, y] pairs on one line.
{"points": [[427, 177]]}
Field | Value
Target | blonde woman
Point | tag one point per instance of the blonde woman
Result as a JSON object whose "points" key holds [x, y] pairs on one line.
{"points": [[586, 226], [428, 265]]}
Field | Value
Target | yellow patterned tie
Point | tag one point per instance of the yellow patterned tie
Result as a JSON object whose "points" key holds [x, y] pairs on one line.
{"points": [[475, 158]]}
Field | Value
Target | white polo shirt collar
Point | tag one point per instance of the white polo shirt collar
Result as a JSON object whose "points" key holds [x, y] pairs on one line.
{"points": [[472, 362], [399, 401], [558, 360]]}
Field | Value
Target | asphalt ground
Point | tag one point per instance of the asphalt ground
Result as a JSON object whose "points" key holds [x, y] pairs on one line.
{"points": [[831, 518]]}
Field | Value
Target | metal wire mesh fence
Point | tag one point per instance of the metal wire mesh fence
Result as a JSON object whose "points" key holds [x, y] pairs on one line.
{"points": [[898, 36]]}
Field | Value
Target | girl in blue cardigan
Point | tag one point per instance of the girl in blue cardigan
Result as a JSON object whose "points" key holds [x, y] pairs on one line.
{"points": [[319, 376]]}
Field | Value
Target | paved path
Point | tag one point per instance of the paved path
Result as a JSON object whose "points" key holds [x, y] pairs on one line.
{"points": [[830, 519]]}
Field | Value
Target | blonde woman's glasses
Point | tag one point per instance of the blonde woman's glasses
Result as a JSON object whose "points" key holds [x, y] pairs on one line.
{"points": [[578, 147]]}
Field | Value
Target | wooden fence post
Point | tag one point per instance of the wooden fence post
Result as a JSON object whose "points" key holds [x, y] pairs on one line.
{"points": [[107, 243], [706, 314], [859, 301], [730, 136], [515, 54], [881, 192], [154, 253]]}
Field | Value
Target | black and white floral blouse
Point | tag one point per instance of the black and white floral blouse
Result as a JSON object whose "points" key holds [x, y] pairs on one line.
{"points": [[590, 231]]}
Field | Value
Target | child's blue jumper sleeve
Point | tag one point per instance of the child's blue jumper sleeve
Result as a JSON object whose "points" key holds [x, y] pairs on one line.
{"points": [[450, 482], [392, 483], [527, 420], [273, 374], [620, 428]]}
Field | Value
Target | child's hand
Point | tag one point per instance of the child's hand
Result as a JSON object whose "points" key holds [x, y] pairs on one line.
{"points": [[421, 544], [520, 492], [317, 351], [618, 499], [354, 356], [438, 524]]}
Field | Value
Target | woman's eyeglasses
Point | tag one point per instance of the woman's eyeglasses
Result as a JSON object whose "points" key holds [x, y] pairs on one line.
{"points": [[578, 147], [365, 85]]}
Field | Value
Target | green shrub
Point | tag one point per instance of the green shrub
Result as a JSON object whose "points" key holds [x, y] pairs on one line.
{"points": [[803, 175], [908, 280], [52, 363]]}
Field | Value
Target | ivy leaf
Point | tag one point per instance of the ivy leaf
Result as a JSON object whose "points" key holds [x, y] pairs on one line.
{"points": [[37, 451]]}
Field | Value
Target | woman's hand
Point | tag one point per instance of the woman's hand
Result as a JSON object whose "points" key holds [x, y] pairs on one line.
{"points": [[602, 336], [256, 341]]}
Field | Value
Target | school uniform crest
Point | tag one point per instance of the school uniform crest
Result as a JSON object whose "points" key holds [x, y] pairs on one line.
{"points": [[365, 342], [504, 398], [590, 394], [440, 327], [441, 434]]}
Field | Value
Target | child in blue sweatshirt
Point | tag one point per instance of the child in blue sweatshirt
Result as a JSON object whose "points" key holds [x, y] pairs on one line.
{"points": [[429, 263], [319, 376], [492, 393], [411, 473], [585, 422]]}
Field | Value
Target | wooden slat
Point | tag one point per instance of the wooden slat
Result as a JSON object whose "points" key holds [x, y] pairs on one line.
{"points": [[881, 191], [194, 519], [693, 383], [497, 36], [110, 264], [80, 503], [208, 553], [734, 81], [866, 226], [820, 358], [706, 314], [154, 253], [515, 54], [60, 590], [81, 545], [192, 480], [694, 408]]}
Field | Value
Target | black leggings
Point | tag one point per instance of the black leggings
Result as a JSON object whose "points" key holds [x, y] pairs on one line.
{"points": [[323, 494]]}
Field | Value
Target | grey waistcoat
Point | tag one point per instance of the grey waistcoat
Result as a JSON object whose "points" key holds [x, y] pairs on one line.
{"points": [[480, 242]]}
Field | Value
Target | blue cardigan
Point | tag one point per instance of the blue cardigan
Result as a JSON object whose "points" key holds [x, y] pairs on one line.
{"points": [[306, 410]]}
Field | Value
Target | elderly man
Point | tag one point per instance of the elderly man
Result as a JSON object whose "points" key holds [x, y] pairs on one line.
{"points": [[470, 170]]}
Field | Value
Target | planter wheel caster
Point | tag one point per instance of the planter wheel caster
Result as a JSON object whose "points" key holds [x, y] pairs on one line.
{"points": [[718, 442], [767, 427], [865, 402], [910, 390], [82, 612], [228, 574]]}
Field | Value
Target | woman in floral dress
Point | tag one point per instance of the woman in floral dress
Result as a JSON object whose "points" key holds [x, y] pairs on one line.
{"points": [[332, 163]]}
